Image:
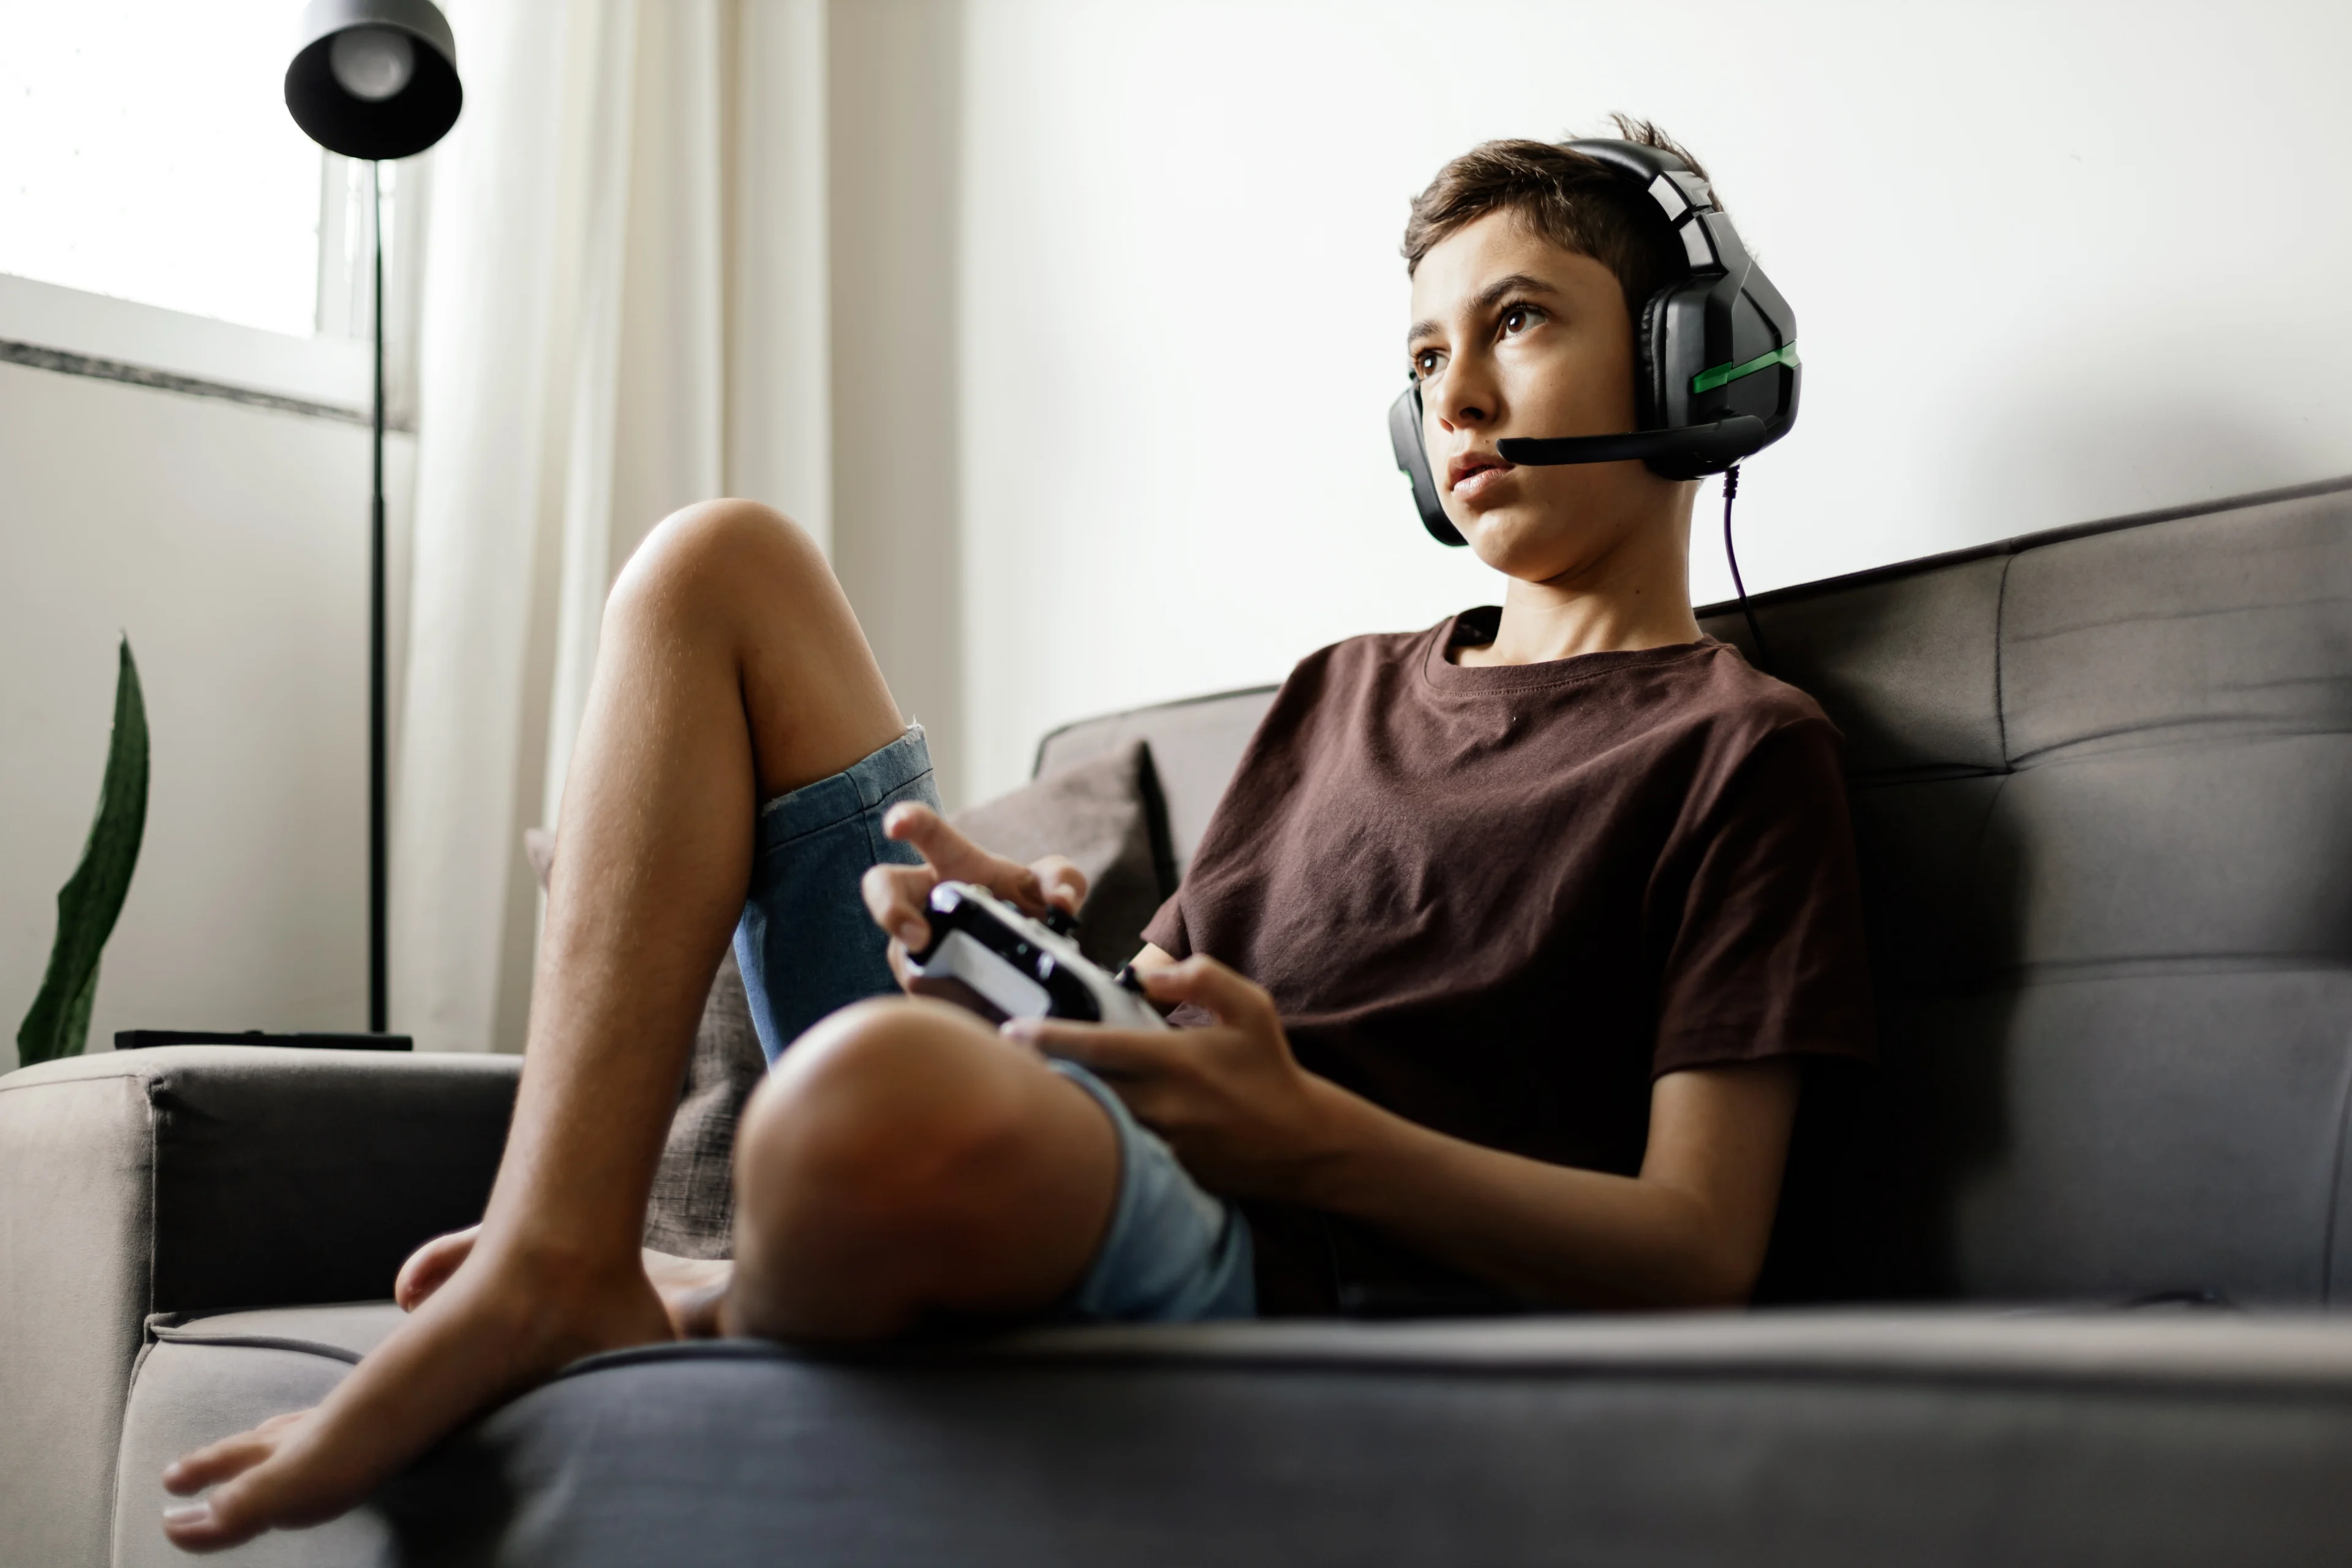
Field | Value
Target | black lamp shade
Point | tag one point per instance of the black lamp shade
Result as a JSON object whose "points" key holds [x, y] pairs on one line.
{"points": [[399, 126]]}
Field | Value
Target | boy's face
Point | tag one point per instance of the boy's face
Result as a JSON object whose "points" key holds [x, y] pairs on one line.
{"points": [[1514, 336]]}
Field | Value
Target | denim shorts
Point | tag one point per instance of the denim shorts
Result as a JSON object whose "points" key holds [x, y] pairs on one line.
{"points": [[1173, 1253]]}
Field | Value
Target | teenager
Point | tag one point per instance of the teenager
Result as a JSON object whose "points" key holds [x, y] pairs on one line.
{"points": [[1500, 954]]}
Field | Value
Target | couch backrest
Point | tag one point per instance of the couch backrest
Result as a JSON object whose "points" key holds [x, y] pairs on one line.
{"points": [[1196, 744], [2102, 787], [2102, 783]]}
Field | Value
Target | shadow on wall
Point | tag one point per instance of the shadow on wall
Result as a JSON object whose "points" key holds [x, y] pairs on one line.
{"points": [[894, 135]]}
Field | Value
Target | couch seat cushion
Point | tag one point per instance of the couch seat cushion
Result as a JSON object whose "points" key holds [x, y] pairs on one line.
{"points": [[1816, 1437], [204, 1378]]}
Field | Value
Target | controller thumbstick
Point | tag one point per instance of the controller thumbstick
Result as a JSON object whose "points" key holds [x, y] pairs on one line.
{"points": [[1127, 979], [1061, 921]]}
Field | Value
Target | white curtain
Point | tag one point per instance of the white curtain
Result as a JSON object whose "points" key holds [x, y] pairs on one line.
{"points": [[623, 311]]}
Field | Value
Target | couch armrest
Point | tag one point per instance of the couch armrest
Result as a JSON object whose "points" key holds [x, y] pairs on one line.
{"points": [[190, 1178]]}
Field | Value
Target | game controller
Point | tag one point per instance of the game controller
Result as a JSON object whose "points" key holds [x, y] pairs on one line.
{"points": [[987, 956]]}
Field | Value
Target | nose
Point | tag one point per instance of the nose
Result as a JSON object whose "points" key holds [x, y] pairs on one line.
{"points": [[1465, 396]]}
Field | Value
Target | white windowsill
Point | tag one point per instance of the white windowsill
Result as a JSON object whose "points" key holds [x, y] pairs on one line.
{"points": [[334, 372]]}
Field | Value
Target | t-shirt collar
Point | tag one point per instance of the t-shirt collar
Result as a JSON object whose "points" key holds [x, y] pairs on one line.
{"points": [[1476, 628]]}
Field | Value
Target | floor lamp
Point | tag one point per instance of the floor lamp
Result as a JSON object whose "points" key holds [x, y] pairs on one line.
{"points": [[374, 79]]}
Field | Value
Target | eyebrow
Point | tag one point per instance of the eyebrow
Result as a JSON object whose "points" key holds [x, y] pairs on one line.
{"points": [[1493, 294]]}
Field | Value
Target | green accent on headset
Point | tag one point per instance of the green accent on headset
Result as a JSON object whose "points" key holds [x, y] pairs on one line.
{"points": [[1709, 380]]}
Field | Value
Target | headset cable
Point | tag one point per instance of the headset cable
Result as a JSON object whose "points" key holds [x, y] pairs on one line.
{"points": [[1731, 490]]}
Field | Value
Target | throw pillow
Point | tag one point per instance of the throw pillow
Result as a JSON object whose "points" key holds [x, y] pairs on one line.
{"points": [[692, 1213], [1105, 815]]}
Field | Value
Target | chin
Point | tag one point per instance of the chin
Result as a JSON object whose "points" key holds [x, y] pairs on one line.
{"points": [[1516, 544]]}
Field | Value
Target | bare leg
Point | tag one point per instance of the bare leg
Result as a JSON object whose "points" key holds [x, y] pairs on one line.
{"points": [[903, 1163], [731, 670]]}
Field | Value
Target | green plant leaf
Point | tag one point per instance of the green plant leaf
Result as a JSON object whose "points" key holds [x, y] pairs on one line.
{"points": [[76, 1030], [59, 1023]]}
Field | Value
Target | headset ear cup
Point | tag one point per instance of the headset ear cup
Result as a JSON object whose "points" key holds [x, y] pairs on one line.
{"points": [[1650, 359], [1656, 354], [1412, 455]]}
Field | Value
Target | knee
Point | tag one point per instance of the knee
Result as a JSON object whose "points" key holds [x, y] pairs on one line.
{"points": [[875, 1120], [704, 559]]}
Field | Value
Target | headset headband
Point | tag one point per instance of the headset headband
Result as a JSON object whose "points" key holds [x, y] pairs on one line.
{"points": [[1683, 198]]}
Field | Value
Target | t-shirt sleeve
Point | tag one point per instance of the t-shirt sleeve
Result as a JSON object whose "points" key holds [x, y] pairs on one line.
{"points": [[1768, 957], [1165, 931]]}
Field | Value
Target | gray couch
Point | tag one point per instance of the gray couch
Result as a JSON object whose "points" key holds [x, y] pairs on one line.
{"points": [[2052, 1287]]}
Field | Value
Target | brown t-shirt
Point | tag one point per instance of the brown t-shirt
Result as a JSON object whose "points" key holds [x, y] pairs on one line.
{"points": [[1501, 901]]}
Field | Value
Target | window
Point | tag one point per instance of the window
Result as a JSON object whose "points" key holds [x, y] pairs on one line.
{"points": [[145, 152]]}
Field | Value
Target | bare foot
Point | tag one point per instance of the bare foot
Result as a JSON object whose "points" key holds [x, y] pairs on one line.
{"points": [[429, 1266], [486, 1333], [691, 1290], [690, 1287]]}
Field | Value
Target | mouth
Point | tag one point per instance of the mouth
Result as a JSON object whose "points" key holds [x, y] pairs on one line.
{"points": [[1471, 474]]}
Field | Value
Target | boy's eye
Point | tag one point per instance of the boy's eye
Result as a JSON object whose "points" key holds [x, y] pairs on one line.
{"points": [[1519, 318], [1428, 362]]}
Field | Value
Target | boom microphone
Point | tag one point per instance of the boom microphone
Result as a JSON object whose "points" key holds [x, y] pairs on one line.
{"points": [[1723, 441]]}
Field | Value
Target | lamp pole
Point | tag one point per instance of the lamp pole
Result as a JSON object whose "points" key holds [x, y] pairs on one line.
{"points": [[372, 80], [379, 979]]}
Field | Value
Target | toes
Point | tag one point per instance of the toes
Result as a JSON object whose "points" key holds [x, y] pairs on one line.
{"points": [[229, 1458], [269, 1494], [200, 1527], [192, 1528], [695, 1314], [218, 1462], [226, 1519]]}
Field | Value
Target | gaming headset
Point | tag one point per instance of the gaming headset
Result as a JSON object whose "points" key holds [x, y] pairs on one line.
{"points": [[1717, 373]]}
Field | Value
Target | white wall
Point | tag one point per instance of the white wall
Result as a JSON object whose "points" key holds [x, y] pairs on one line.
{"points": [[2051, 261], [892, 72], [230, 543]]}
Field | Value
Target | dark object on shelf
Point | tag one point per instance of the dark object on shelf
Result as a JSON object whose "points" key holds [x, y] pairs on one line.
{"points": [[139, 1039]]}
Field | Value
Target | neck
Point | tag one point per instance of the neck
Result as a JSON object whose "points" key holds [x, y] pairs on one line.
{"points": [[1636, 596]]}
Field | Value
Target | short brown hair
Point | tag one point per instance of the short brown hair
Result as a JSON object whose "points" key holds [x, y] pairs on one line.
{"points": [[1573, 201]]}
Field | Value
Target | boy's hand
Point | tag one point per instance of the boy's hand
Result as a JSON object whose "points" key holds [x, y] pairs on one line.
{"points": [[1239, 1112], [898, 896]]}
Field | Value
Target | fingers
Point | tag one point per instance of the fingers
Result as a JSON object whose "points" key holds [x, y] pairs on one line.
{"points": [[429, 1266], [1061, 882], [1108, 1052], [1141, 1068], [897, 895], [1204, 983], [953, 857], [948, 852]]}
